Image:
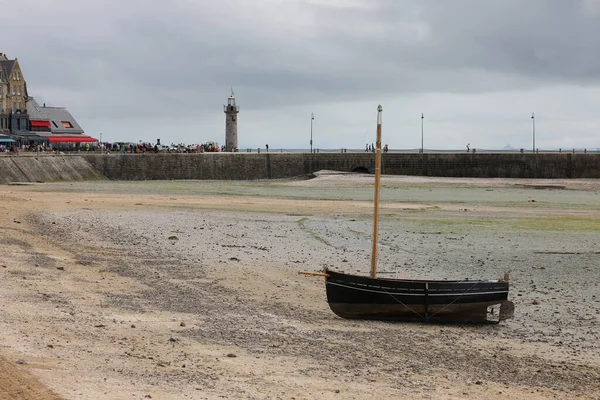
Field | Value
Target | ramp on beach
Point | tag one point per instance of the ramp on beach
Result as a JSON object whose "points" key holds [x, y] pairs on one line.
{"points": [[46, 169]]}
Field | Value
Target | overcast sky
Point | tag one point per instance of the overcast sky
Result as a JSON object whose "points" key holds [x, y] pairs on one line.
{"points": [[146, 69]]}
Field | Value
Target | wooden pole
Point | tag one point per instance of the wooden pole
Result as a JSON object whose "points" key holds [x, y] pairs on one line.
{"points": [[314, 273], [376, 200]]}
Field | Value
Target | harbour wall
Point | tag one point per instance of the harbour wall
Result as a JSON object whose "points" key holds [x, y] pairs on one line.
{"points": [[252, 166], [245, 166]]}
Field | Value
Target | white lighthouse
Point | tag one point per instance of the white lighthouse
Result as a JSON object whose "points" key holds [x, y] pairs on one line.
{"points": [[231, 133]]}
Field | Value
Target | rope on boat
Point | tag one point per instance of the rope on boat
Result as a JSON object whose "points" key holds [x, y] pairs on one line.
{"points": [[402, 304], [434, 314], [453, 301]]}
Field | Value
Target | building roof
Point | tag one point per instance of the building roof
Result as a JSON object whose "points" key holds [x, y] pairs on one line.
{"points": [[8, 66], [36, 111], [61, 120]]}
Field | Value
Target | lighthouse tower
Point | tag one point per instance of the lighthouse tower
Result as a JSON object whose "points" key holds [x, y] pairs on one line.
{"points": [[231, 134]]}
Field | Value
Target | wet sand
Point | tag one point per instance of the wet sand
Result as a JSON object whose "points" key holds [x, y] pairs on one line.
{"points": [[190, 289]]}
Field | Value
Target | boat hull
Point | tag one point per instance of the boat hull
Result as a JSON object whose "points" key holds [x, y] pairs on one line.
{"points": [[352, 296]]}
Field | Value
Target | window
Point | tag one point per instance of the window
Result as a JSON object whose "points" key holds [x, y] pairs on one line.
{"points": [[67, 124], [14, 108], [19, 90], [13, 90]]}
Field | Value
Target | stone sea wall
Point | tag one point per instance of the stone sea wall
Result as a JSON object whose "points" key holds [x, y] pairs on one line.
{"points": [[250, 166], [244, 166]]}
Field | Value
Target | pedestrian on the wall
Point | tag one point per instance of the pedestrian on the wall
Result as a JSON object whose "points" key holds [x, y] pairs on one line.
{"points": [[267, 147], [468, 147]]}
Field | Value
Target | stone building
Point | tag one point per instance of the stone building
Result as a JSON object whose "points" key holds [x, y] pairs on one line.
{"points": [[4, 109], [25, 121], [14, 119]]}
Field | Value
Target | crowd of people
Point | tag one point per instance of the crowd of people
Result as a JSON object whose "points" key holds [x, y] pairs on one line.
{"points": [[123, 147], [14, 148], [47, 148], [208, 147]]}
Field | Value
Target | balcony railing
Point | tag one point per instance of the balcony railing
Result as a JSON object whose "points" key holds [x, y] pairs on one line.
{"points": [[231, 108]]}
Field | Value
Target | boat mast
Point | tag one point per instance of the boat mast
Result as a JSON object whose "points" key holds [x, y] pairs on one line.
{"points": [[376, 205]]}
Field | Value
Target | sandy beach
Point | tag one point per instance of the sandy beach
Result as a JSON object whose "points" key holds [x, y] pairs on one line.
{"points": [[190, 289]]}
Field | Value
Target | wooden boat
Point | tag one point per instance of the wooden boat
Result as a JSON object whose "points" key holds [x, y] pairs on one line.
{"points": [[355, 296], [352, 296]]}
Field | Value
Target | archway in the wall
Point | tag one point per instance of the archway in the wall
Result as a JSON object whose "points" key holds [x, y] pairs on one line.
{"points": [[361, 170]]}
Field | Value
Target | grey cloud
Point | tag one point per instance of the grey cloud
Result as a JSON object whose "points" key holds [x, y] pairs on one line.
{"points": [[144, 61]]}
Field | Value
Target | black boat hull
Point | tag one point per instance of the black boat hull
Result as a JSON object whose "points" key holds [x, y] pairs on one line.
{"points": [[351, 296]]}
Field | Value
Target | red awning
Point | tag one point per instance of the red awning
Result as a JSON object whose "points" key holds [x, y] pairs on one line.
{"points": [[71, 139], [40, 123]]}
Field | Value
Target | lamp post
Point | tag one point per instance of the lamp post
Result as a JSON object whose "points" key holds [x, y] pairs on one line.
{"points": [[422, 118], [312, 118], [533, 128]]}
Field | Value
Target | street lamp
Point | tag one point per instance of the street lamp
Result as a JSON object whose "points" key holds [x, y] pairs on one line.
{"points": [[312, 118], [422, 118], [533, 127]]}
